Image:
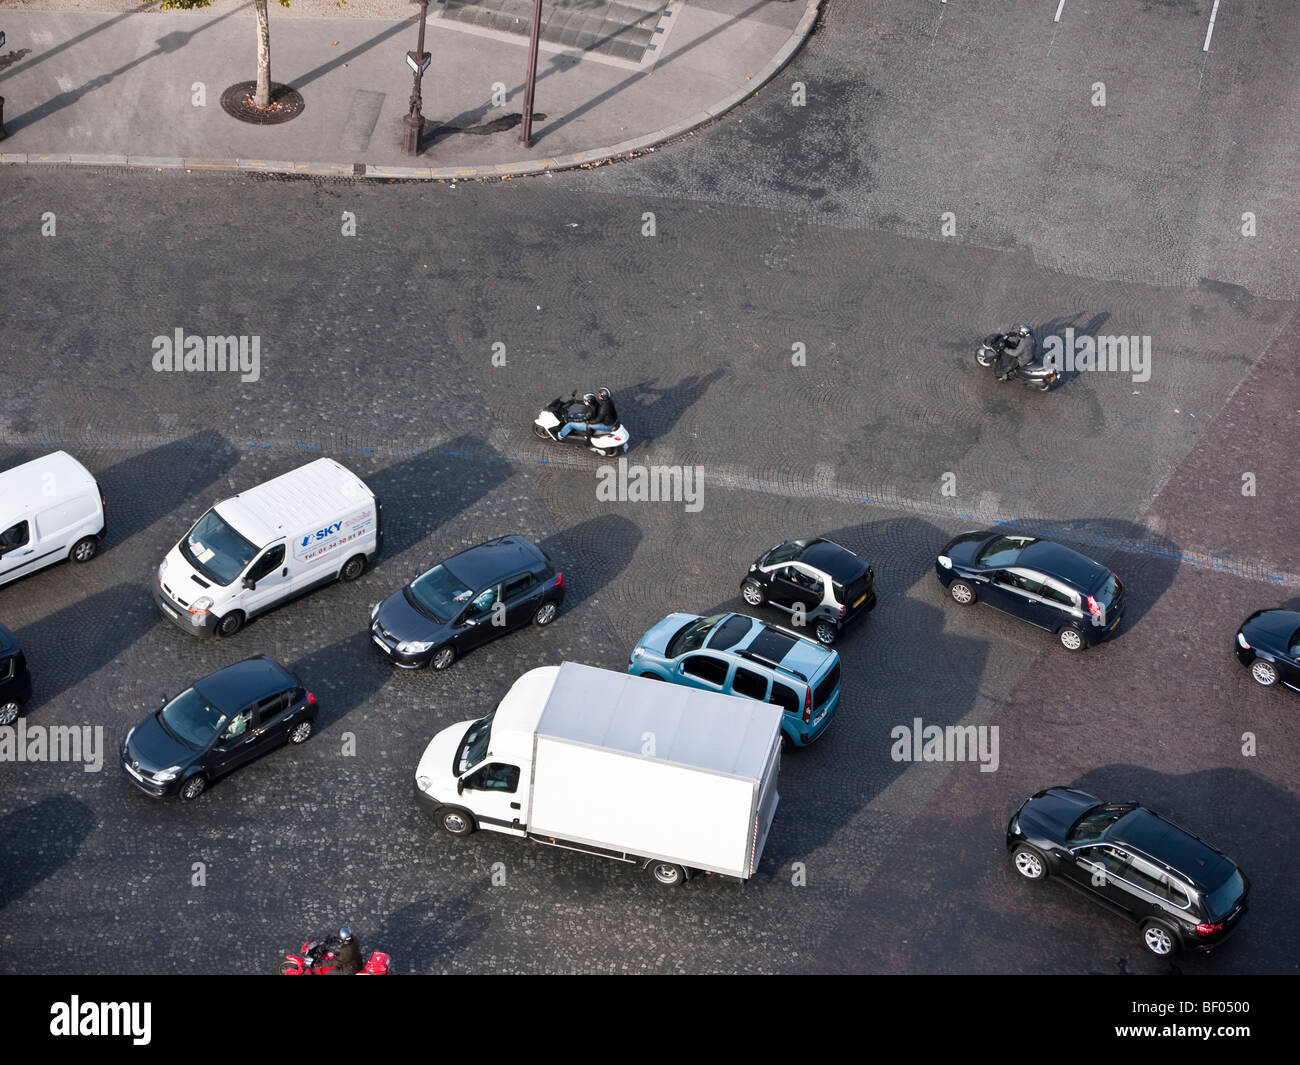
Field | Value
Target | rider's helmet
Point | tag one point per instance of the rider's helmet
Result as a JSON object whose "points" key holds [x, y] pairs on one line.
{"points": [[603, 393], [1023, 330], [589, 399], [345, 934]]}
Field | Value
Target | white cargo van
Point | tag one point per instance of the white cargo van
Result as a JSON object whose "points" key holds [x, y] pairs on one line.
{"points": [[50, 509], [251, 552], [677, 780]]}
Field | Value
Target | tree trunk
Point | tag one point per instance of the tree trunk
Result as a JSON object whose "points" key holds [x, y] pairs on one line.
{"points": [[262, 98]]}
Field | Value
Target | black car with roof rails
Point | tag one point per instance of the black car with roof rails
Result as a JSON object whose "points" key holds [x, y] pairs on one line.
{"points": [[462, 603], [1268, 644], [1182, 892], [821, 584], [15, 680], [1038, 581], [221, 723]]}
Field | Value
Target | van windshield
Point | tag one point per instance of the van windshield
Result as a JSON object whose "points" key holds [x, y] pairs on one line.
{"points": [[474, 747], [216, 550], [192, 719], [438, 594]]}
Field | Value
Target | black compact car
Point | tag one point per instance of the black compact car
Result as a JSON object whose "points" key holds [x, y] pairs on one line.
{"points": [[1268, 644], [1035, 580], [472, 598], [223, 722], [1183, 893], [827, 584], [15, 681]]}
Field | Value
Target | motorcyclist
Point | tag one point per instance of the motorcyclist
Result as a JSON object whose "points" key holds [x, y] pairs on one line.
{"points": [[583, 416], [348, 955], [606, 412], [1017, 349]]}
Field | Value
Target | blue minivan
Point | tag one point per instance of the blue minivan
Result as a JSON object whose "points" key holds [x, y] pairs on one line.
{"points": [[739, 655]]}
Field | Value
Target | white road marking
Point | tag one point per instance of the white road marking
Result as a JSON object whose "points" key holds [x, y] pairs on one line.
{"points": [[1059, 8], [1209, 30]]}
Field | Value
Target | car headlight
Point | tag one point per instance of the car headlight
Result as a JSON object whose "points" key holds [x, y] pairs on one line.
{"points": [[423, 783], [945, 562], [201, 605], [1242, 641], [373, 611], [413, 647], [637, 652], [167, 774], [162, 568]]}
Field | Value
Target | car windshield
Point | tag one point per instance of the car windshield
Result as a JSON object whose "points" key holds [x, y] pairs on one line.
{"points": [[439, 594], [691, 636], [1004, 550], [192, 719], [785, 552], [1224, 897], [216, 550], [1095, 822], [474, 746]]}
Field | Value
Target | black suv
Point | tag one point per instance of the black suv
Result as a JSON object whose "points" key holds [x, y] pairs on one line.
{"points": [[223, 722], [472, 598], [1035, 580], [15, 681], [830, 584], [1183, 893]]}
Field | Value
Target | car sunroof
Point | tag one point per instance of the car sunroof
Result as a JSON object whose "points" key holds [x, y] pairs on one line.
{"points": [[771, 644], [729, 633]]}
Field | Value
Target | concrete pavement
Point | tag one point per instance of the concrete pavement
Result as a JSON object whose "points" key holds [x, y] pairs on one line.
{"points": [[144, 89]]}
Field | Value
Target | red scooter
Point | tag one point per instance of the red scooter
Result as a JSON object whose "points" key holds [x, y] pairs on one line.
{"points": [[319, 957]]}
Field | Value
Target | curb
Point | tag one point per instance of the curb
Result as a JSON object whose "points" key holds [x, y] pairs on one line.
{"points": [[593, 157]]}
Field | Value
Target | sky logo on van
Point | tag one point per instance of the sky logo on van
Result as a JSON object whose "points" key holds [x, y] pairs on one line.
{"points": [[321, 534]]}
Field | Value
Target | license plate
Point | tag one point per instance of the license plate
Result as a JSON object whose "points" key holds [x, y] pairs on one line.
{"points": [[170, 612], [386, 649], [134, 773]]}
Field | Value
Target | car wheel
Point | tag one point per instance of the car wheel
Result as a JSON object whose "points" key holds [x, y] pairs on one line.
{"points": [[194, 787], [1029, 863], [962, 593], [666, 874], [443, 657], [1265, 673], [786, 745], [545, 614], [84, 549], [1159, 938], [752, 592], [353, 568], [230, 624], [455, 821], [1071, 638], [825, 633], [8, 713], [653, 676], [300, 732]]}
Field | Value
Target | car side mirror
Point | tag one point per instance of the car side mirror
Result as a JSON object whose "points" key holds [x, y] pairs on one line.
{"points": [[460, 786], [250, 584], [162, 702]]}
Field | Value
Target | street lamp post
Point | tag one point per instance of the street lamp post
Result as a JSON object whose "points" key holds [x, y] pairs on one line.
{"points": [[526, 127], [418, 61]]}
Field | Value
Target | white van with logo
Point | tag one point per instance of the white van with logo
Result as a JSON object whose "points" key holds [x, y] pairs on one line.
{"points": [[50, 509], [313, 525]]}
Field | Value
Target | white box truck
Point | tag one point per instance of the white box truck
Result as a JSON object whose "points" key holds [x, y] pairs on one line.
{"points": [[677, 780], [253, 551], [50, 509]]}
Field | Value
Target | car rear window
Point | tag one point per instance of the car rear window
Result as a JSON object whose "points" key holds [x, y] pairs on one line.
{"points": [[1109, 592], [826, 687], [1224, 897]]}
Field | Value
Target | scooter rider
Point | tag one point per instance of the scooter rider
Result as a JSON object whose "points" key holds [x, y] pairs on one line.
{"points": [[606, 412], [586, 414], [1016, 349], [348, 955]]}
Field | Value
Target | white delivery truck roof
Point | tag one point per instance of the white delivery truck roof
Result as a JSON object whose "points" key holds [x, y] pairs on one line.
{"points": [[25, 485], [690, 727], [316, 494]]}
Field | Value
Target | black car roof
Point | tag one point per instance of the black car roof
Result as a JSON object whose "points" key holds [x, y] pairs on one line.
{"points": [[494, 560], [233, 688], [1164, 841], [829, 557], [1063, 564]]}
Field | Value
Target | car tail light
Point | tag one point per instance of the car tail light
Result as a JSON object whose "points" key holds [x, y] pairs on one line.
{"points": [[807, 706], [1094, 607], [843, 611], [559, 580], [1209, 929], [311, 699]]}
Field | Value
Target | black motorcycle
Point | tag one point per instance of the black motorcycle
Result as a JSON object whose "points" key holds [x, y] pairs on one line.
{"points": [[1032, 374]]}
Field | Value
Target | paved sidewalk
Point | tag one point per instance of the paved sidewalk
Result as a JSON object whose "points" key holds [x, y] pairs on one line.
{"points": [[144, 88]]}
